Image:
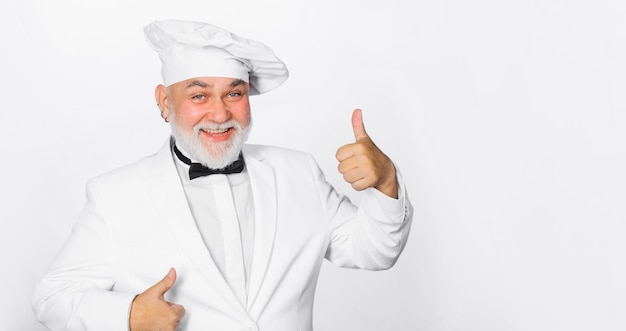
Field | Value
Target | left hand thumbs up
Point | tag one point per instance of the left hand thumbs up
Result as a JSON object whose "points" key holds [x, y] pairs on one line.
{"points": [[363, 165]]}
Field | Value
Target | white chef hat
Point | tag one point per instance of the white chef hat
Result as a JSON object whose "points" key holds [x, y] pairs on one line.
{"points": [[194, 49]]}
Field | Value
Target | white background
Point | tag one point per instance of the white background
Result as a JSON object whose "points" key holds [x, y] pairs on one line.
{"points": [[506, 117]]}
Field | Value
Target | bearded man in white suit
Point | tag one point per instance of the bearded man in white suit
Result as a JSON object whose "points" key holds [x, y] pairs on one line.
{"points": [[241, 230]]}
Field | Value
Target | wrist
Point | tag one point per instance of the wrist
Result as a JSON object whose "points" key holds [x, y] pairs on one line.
{"points": [[389, 187]]}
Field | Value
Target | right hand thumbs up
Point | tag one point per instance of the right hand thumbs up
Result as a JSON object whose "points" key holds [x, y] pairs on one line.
{"points": [[150, 311]]}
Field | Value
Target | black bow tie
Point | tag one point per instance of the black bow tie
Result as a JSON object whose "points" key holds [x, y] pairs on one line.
{"points": [[198, 170]]}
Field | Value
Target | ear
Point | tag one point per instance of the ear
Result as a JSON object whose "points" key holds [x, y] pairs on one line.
{"points": [[160, 94]]}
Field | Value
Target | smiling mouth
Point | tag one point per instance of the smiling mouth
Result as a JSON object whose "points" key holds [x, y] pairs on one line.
{"points": [[217, 132]]}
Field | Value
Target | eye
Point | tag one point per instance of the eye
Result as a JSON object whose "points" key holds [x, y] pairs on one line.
{"points": [[198, 97], [234, 94]]}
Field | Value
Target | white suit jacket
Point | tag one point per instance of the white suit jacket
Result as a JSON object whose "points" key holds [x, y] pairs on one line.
{"points": [[137, 224]]}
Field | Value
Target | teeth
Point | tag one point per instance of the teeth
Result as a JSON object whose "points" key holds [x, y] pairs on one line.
{"points": [[215, 131]]}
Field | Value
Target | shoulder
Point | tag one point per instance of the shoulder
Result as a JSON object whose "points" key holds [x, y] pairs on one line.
{"points": [[140, 171], [267, 150], [276, 155], [125, 174]]}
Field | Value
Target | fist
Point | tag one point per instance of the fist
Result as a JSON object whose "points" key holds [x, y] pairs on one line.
{"points": [[363, 164], [151, 312]]}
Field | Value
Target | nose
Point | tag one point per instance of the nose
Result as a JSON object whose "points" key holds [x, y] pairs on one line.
{"points": [[219, 111]]}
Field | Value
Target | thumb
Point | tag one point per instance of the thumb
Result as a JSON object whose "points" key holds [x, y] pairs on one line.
{"points": [[357, 125], [164, 284]]}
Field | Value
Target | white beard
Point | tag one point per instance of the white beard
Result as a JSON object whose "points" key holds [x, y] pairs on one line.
{"points": [[217, 155]]}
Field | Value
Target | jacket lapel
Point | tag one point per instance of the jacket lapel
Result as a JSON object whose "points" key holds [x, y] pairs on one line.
{"points": [[171, 203], [263, 184]]}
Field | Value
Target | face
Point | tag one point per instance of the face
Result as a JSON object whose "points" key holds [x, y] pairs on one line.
{"points": [[210, 117]]}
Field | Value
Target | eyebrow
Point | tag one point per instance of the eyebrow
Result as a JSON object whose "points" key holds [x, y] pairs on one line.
{"points": [[198, 83], [202, 84], [237, 82]]}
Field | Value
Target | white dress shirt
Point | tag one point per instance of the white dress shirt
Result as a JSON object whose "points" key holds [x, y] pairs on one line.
{"points": [[211, 200]]}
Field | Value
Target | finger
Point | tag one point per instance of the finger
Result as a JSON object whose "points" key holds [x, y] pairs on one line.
{"points": [[348, 165], [350, 150], [358, 179], [357, 125], [360, 185], [344, 152], [179, 310], [164, 284], [353, 176]]}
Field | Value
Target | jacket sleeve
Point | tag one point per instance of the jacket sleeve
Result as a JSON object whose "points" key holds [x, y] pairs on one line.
{"points": [[369, 236], [76, 292]]}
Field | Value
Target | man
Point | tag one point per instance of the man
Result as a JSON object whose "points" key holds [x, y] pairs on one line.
{"points": [[241, 246]]}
